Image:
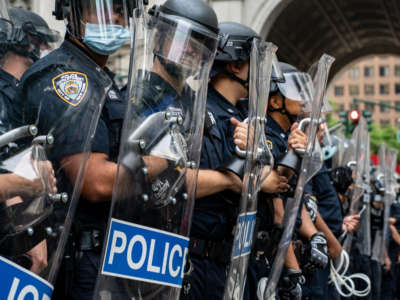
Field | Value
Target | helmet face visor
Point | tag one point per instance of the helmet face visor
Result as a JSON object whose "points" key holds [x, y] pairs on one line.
{"points": [[297, 86], [41, 38], [183, 43], [6, 29], [102, 23], [4, 10]]}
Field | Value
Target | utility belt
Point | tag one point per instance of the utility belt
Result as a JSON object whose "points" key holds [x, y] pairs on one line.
{"points": [[261, 243], [266, 242], [90, 240], [219, 252]]}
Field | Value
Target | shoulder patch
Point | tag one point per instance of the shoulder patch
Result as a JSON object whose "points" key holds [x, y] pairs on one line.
{"points": [[113, 95], [269, 143], [71, 87]]}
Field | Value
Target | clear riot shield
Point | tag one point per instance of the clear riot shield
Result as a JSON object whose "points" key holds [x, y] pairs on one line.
{"points": [[146, 246], [378, 246], [311, 162], [337, 157], [390, 192], [357, 163], [35, 218], [258, 165], [4, 10], [364, 235]]}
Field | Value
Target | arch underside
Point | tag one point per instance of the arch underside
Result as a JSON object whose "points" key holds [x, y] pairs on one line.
{"points": [[345, 29]]}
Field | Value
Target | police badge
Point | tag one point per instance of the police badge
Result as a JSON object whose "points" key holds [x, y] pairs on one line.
{"points": [[71, 87]]}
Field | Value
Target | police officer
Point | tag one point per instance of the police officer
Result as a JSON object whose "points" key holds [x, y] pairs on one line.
{"points": [[283, 135], [324, 206], [377, 218], [74, 80], [23, 40], [160, 151], [218, 193], [218, 190]]}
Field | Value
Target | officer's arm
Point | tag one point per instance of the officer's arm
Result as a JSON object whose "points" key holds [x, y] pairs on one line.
{"points": [[395, 234], [12, 185], [334, 246], [98, 181], [291, 260], [210, 182], [307, 228], [99, 176], [279, 210]]}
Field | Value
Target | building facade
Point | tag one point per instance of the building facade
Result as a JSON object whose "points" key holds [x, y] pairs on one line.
{"points": [[369, 84]]}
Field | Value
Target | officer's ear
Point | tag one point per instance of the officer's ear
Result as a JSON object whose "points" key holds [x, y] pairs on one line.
{"points": [[275, 101]]}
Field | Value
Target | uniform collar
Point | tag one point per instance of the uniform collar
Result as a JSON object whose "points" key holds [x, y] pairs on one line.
{"points": [[71, 46], [8, 78], [160, 84], [275, 127], [222, 102]]}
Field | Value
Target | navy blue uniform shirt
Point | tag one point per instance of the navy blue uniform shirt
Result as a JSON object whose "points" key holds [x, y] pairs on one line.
{"points": [[276, 137], [44, 99], [214, 216], [8, 88], [328, 201]]}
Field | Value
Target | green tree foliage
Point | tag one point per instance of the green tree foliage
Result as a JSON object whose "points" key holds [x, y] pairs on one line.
{"points": [[387, 134], [378, 135]]}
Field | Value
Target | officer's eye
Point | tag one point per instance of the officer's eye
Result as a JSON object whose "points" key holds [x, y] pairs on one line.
{"points": [[119, 10]]}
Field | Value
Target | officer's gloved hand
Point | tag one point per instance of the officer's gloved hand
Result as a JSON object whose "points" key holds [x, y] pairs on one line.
{"points": [[292, 183], [290, 285], [311, 205], [342, 179], [316, 253], [235, 163]]}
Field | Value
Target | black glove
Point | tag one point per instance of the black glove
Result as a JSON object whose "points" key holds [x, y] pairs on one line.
{"points": [[315, 254], [293, 183], [234, 164], [311, 205], [290, 285], [272, 241], [341, 179]]}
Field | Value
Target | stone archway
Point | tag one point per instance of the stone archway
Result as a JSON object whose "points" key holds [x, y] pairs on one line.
{"points": [[346, 29]]}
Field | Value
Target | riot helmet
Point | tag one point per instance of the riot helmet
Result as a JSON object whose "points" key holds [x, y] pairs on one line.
{"points": [[236, 41], [234, 46], [197, 12], [26, 34], [102, 25], [296, 86], [342, 179], [183, 27]]}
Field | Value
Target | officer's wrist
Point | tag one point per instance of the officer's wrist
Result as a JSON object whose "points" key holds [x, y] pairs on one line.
{"points": [[225, 180]]}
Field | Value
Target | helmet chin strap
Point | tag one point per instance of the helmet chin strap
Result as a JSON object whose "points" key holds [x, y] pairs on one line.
{"points": [[243, 83], [283, 111]]}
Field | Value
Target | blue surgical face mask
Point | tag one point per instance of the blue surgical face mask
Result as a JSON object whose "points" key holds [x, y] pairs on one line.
{"points": [[106, 39]]}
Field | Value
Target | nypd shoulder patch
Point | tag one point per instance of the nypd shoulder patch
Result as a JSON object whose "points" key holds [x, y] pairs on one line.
{"points": [[71, 87], [270, 145]]}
